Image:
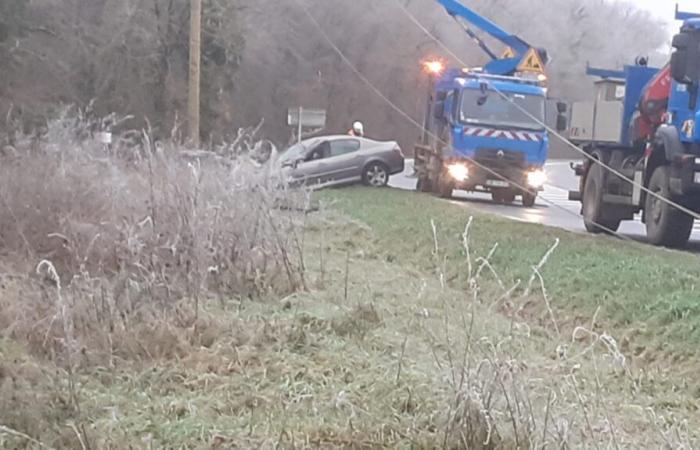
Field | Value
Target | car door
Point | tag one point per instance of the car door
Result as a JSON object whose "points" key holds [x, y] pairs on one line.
{"points": [[345, 161], [312, 169]]}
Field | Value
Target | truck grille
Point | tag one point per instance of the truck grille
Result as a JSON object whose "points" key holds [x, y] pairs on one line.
{"points": [[496, 158]]}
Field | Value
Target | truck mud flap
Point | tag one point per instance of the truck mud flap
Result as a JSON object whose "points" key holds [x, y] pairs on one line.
{"points": [[578, 168]]}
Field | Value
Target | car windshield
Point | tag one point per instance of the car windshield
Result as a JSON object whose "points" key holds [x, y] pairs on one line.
{"points": [[296, 151], [499, 112]]}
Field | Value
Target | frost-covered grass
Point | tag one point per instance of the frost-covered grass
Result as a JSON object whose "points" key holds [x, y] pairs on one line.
{"points": [[375, 354], [153, 302], [649, 295]]}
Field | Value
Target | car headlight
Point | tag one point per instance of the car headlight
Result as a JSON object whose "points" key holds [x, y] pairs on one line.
{"points": [[459, 172], [536, 178]]}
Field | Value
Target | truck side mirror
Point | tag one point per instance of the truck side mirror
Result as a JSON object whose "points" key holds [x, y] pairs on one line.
{"points": [[439, 110], [562, 122], [679, 58], [685, 60]]}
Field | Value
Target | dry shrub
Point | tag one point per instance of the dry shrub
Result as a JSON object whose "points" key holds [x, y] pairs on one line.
{"points": [[516, 385], [133, 235], [358, 322]]}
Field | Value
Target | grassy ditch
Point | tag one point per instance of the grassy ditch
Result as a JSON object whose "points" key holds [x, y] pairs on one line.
{"points": [[150, 302], [637, 289], [376, 353]]}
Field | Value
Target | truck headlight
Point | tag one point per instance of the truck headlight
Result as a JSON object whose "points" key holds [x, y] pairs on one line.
{"points": [[536, 178], [459, 172]]}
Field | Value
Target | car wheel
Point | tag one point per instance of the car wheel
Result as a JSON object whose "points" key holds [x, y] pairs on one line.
{"points": [[376, 175]]}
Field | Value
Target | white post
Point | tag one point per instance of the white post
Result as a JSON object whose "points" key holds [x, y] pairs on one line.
{"points": [[301, 110], [193, 100]]}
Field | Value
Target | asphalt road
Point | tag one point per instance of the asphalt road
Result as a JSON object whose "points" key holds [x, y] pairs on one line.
{"points": [[552, 208]]}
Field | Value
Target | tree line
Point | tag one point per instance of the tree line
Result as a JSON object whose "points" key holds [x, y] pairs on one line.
{"points": [[261, 57]]}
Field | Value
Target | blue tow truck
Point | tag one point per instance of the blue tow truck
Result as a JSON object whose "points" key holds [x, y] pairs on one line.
{"points": [[643, 126], [476, 136]]}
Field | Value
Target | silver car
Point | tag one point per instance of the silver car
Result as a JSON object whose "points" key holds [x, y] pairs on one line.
{"points": [[342, 160]]}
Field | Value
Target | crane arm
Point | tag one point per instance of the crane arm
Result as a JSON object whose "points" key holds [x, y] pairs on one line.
{"points": [[605, 73], [480, 42], [457, 10], [683, 15]]}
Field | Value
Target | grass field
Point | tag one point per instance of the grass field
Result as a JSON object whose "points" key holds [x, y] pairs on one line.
{"points": [[403, 338], [648, 292]]}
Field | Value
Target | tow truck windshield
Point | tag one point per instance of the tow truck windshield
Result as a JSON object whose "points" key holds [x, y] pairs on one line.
{"points": [[496, 111]]}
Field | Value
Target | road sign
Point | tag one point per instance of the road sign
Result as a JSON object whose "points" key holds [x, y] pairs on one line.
{"points": [[310, 118], [306, 118], [531, 62], [508, 53]]}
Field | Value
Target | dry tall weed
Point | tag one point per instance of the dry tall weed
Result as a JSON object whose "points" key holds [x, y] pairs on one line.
{"points": [[503, 394], [138, 232], [112, 258]]}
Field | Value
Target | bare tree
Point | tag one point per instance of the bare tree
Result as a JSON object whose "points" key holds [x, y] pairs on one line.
{"points": [[260, 57], [126, 56]]}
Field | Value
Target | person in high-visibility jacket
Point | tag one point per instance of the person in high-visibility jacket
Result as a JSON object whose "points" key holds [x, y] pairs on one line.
{"points": [[357, 130]]}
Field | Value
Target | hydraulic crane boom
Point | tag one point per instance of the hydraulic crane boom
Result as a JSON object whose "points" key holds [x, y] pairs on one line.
{"points": [[520, 50]]}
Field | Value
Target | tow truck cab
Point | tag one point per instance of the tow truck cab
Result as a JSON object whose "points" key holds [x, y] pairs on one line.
{"points": [[492, 132], [483, 127]]}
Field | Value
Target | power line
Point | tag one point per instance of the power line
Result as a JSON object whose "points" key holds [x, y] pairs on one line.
{"points": [[408, 117], [547, 127]]}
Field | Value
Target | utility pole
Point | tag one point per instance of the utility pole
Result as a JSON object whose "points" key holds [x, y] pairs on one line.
{"points": [[195, 66]]}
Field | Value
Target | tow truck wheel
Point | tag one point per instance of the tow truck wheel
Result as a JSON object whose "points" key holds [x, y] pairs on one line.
{"points": [[594, 217], [504, 197], [423, 184], [666, 225], [529, 199], [444, 187]]}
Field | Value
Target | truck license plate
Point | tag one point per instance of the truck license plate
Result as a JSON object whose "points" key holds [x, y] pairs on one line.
{"points": [[496, 183]]}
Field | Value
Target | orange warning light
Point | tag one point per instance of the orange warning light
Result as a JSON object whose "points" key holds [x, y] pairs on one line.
{"points": [[434, 67]]}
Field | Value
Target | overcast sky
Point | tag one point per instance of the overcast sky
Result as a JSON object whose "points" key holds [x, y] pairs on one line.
{"points": [[666, 9]]}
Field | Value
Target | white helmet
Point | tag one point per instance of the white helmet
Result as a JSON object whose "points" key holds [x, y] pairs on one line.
{"points": [[358, 128]]}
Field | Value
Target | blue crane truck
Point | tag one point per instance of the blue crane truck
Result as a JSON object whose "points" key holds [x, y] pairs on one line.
{"points": [[640, 136], [476, 135]]}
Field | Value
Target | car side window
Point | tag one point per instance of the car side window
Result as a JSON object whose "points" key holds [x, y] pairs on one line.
{"points": [[344, 146], [319, 152]]}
